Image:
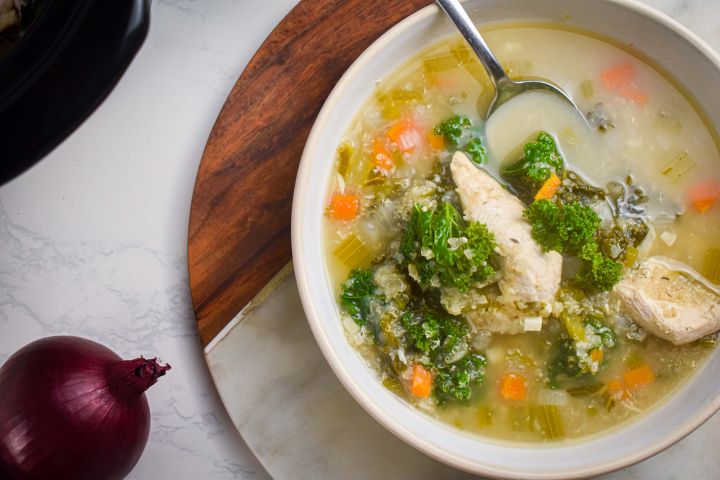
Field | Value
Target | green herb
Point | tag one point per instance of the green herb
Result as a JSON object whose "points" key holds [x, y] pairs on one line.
{"points": [[445, 251], [476, 151], [356, 294], [453, 129], [541, 159]]}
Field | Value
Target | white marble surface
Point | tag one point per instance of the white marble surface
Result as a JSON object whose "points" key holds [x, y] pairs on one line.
{"points": [[93, 239]]}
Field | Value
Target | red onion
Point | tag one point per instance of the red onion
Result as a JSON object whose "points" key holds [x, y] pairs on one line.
{"points": [[71, 408]]}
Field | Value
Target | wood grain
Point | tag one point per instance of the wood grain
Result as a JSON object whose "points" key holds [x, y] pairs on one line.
{"points": [[239, 234]]}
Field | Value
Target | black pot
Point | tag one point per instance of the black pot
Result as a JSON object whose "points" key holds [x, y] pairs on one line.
{"points": [[63, 67]]}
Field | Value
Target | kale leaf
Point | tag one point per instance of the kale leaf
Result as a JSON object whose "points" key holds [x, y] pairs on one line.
{"points": [[445, 251], [573, 228], [541, 159], [445, 341], [356, 294], [423, 334], [456, 132], [455, 380], [574, 354], [601, 272], [564, 228]]}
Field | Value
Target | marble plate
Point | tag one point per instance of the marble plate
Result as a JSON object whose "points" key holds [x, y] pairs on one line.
{"points": [[301, 423]]}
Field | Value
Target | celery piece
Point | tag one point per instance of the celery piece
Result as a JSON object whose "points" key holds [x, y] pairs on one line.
{"points": [[631, 255], [678, 167], [461, 52], [344, 153], [711, 265], [549, 420], [352, 252], [393, 102], [521, 418], [441, 63], [479, 74], [484, 416], [587, 88], [574, 325]]}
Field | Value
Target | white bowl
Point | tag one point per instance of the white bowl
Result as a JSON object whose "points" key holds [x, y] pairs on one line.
{"points": [[682, 55]]}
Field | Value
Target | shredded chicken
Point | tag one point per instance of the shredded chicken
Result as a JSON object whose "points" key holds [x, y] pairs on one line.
{"points": [[529, 277]]}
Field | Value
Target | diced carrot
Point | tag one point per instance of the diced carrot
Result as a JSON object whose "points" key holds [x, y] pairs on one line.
{"points": [[436, 142], [344, 206], [704, 195], [405, 135], [597, 355], [634, 94], [618, 390], [422, 381], [639, 376], [619, 76], [549, 188], [512, 386], [381, 156]]}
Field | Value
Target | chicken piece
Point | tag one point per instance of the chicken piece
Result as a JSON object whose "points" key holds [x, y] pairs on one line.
{"points": [[529, 277], [669, 300]]}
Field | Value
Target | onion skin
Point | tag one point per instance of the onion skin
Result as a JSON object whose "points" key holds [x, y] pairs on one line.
{"points": [[71, 408]]}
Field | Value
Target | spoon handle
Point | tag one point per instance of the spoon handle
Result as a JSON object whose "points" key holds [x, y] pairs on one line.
{"points": [[467, 28]]}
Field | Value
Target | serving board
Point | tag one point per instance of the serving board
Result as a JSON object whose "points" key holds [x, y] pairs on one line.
{"points": [[239, 233]]}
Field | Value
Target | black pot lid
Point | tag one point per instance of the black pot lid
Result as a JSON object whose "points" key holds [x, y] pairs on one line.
{"points": [[60, 71]]}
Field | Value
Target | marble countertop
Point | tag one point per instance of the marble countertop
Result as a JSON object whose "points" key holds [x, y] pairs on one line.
{"points": [[93, 239]]}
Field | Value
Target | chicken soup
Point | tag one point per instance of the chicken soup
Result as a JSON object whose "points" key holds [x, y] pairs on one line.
{"points": [[540, 276]]}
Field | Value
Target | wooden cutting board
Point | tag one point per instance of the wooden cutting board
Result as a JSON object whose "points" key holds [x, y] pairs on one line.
{"points": [[239, 235]]}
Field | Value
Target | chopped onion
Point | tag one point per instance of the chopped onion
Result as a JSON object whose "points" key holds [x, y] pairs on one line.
{"points": [[495, 354], [72, 409], [532, 324], [559, 398], [668, 237]]}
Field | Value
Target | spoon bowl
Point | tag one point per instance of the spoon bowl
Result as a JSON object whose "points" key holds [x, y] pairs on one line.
{"points": [[505, 88]]}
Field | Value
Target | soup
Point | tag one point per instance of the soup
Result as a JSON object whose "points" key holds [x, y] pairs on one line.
{"points": [[539, 277]]}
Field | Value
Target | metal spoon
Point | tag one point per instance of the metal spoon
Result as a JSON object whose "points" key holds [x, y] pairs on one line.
{"points": [[505, 89]]}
